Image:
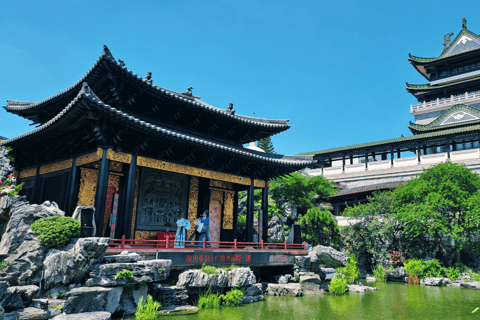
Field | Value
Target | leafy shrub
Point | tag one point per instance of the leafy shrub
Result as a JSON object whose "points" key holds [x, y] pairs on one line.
{"points": [[350, 271], [3, 265], [56, 232], [432, 269], [233, 298], [125, 274], [60, 295], [396, 259], [452, 273], [147, 310], [413, 269], [380, 273], [58, 306], [338, 285], [209, 300], [460, 266]]}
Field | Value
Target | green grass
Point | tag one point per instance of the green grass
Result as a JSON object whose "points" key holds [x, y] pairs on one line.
{"points": [[125, 274], [58, 306], [147, 310], [208, 300]]}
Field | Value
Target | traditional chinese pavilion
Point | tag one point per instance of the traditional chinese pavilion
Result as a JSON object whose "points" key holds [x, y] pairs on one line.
{"points": [[161, 151], [446, 127]]}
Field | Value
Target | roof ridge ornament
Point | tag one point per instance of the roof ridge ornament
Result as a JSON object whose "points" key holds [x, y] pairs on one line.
{"points": [[121, 62], [85, 89], [447, 40], [189, 94], [106, 52], [148, 77], [230, 108], [464, 23]]}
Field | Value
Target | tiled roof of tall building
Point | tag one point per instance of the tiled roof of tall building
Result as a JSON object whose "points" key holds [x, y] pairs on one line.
{"points": [[426, 87], [372, 187], [432, 126]]}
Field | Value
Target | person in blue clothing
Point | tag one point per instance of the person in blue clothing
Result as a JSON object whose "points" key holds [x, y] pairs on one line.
{"points": [[203, 231], [183, 225]]}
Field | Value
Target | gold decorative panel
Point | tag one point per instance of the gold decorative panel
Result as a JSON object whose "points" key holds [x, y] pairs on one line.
{"points": [[179, 168], [135, 200], [28, 173], [115, 166], [221, 184], [228, 211], [57, 166], [216, 195], [88, 187], [146, 235], [259, 183], [119, 156], [192, 204], [89, 158]]}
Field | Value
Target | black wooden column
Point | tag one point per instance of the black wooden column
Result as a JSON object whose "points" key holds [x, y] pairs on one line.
{"points": [[392, 156], [235, 216], [250, 208], [448, 148], [37, 185], [322, 162], [351, 159], [398, 153], [265, 212], [101, 196], [130, 199], [70, 207], [366, 160], [418, 153], [343, 163]]}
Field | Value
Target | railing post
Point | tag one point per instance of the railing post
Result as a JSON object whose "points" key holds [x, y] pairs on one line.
{"points": [[235, 244], [261, 243], [204, 243], [123, 242], [168, 242], [285, 244]]}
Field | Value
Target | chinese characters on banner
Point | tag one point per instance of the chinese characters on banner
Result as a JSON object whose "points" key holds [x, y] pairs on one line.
{"points": [[210, 258]]}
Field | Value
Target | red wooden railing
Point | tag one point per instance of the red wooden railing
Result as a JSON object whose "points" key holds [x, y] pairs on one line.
{"points": [[139, 244]]}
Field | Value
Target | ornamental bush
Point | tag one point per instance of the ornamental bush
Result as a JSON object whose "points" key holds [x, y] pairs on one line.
{"points": [[380, 273], [147, 310], [350, 271], [338, 285], [57, 231], [233, 298]]}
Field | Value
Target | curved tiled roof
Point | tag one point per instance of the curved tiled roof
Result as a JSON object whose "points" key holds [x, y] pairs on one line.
{"points": [[192, 101], [94, 101], [445, 51], [372, 187], [431, 125], [423, 87], [475, 127]]}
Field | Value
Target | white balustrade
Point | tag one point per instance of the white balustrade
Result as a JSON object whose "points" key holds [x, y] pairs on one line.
{"points": [[405, 162], [443, 103], [377, 165], [434, 158], [332, 170], [358, 167], [464, 154]]}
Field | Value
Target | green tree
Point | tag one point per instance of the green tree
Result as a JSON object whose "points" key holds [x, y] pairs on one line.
{"points": [[319, 227], [267, 145], [304, 192], [444, 200]]}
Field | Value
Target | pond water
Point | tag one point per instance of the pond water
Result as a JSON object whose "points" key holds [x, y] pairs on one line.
{"points": [[390, 301]]}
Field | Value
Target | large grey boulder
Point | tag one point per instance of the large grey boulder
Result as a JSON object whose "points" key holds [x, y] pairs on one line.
{"points": [[33, 314], [435, 281], [327, 257], [55, 311], [198, 279], [86, 299], [11, 316], [471, 285], [302, 264], [10, 297], [241, 277], [124, 257], [275, 230], [310, 288], [398, 274], [2, 313], [145, 271], [74, 262], [252, 293], [5, 166], [290, 289], [284, 279], [28, 292], [99, 315], [169, 295], [310, 278], [327, 274], [130, 297], [24, 253]]}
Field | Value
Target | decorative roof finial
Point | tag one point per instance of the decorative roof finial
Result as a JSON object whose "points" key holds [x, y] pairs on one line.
{"points": [[148, 77], [122, 63], [188, 92], [230, 108], [464, 23], [447, 40], [106, 52]]}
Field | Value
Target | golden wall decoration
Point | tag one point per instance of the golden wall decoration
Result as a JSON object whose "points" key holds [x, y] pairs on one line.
{"points": [[259, 183], [119, 156], [26, 173], [135, 199], [221, 184], [88, 187], [192, 204], [57, 166], [146, 235], [88, 158], [216, 195], [115, 166], [180, 168], [228, 210]]}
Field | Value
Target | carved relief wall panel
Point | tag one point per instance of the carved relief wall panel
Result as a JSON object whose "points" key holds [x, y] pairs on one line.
{"points": [[192, 204], [162, 195], [215, 215], [228, 211], [88, 187]]}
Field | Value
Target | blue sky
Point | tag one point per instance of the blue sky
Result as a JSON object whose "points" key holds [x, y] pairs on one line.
{"points": [[336, 69]]}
